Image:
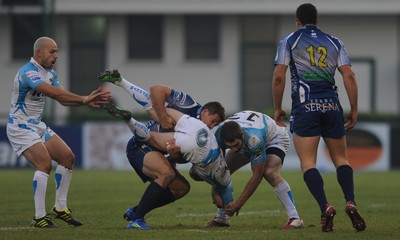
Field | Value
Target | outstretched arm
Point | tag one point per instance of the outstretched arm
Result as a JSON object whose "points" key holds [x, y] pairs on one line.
{"points": [[66, 98]]}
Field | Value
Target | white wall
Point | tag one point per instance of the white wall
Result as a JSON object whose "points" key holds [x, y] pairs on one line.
{"points": [[373, 36]]}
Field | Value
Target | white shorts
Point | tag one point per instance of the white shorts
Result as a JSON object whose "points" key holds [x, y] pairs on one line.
{"points": [[23, 136], [281, 140]]}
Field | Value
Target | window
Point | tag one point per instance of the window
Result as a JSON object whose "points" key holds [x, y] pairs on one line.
{"points": [[25, 30], [202, 37], [145, 36]]}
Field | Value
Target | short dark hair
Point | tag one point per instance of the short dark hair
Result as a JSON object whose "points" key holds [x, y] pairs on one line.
{"points": [[307, 14], [215, 108], [230, 131]]}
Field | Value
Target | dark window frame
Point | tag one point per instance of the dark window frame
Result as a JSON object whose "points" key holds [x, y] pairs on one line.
{"points": [[202, 37], [145, 37]]}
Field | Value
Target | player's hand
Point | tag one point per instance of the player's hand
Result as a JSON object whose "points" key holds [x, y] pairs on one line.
{"points": [[172, 149], [351, 120], [98, 97], [279, 116], [167, 122], [232, 208]]}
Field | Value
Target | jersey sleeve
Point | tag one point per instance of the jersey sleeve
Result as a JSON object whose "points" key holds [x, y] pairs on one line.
{"points": [[257, 149], [283, 52], [54, 80], [343, 57], [31, 78]]}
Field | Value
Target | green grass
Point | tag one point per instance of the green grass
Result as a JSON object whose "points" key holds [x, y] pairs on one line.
{"points": [[98, 199]]}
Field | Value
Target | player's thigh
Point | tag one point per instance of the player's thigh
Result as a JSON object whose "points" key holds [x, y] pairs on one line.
{"points": [[39, 157], [156, 165], [337, 150], [235, 160], [306, 149], [59, 151]]}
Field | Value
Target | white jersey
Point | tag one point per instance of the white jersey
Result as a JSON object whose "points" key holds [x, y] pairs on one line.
{"points": [[25, 126], [26, 103], [196, 141]]}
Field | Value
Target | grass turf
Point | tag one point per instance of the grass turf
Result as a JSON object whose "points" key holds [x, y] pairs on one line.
{"points": [[99, 198]]}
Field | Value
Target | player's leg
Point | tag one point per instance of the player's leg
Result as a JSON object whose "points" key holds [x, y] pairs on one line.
{"points": [[38, 156], [61, 153], [338, 152], [273, 164], [306, 148], [157, 194], [234, 162], [139, 95]]}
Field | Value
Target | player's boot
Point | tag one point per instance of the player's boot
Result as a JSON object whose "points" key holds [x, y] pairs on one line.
{"points": [[113, 77], [117, 112], [293, 223], [129, 214], [355, 217], [43, 222], [218, 222], [327, 218], [66, 216], [138, 224]]}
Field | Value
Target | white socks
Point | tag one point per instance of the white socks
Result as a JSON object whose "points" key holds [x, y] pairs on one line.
{"points": [[63, 179], [141, 132], [39, 184], [284, 194], [141, 96]]}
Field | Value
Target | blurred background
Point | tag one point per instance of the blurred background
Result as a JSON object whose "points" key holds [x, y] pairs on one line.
{"points": [[216, 50]]}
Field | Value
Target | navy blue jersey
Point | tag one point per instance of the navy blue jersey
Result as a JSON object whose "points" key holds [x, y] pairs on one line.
{"points": [[181, 102], [313, 57]]}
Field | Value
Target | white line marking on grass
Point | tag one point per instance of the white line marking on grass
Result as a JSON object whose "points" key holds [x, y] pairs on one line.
{"points": [[378, 205], [275, 212], [14, 228]]}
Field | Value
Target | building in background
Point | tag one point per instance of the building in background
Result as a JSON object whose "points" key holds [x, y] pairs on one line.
{"points": [[214, 49]]}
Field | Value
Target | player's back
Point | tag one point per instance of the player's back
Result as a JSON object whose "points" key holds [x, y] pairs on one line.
{"points": [[315, 57]]}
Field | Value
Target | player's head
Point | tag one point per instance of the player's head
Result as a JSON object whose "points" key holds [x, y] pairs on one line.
{"points": [[232, 135], [45, 52], [307, 14], [212, 114]]}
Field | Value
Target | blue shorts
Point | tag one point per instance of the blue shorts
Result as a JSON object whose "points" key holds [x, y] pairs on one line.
{"points": [[135, 151], [318, 117]]}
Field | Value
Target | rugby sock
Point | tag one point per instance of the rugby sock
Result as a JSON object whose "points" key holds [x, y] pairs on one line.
{"points": [[141, 96], [222, 215], [63, 179], [150, 197], [39, 185], [141, 132], [315, 184], [344, 175], [284, 194], [166, 198]]}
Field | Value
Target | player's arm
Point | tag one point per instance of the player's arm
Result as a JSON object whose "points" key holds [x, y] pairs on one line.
{"points": [[350, 84], [278, 87], [159, 95], [67, 98], [251, 186]]}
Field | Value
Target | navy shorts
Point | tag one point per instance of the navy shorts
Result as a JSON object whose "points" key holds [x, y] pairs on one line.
{"points": [[318, 117], [135, 151]]}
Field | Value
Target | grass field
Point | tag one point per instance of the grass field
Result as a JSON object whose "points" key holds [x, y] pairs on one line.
{"points": [[98, 199]]}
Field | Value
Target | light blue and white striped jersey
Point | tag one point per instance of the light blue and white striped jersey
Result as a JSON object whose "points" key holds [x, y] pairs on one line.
{"points": [[259, 129], [313, 57], [26, 103]]}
